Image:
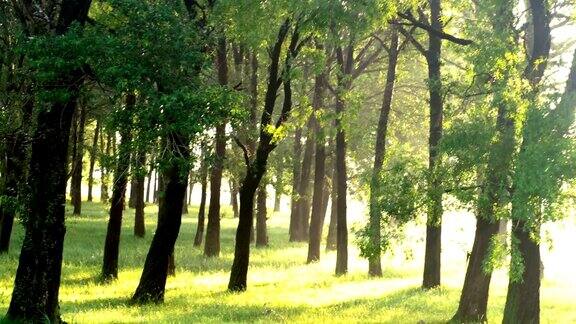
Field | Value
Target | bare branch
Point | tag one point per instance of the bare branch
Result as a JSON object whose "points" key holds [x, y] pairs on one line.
{"points": [[461, 41]]}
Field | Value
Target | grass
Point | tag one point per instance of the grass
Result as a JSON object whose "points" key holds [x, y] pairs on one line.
{"points": [[282, 288]]}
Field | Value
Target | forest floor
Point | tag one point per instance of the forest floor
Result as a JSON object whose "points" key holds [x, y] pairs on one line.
{"points": [[282, 288]]}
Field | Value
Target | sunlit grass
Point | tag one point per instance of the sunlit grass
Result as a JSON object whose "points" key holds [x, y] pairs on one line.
{"points": [[282, 288]]}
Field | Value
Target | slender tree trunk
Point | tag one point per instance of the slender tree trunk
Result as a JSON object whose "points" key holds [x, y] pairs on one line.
{"points": [[157, 181], [331, 238], [318, 214], [239, 272], [296, 171], [202, 209], [212, 244], [191, 183], [93, 155], [256, 168], [76, 181], [234, 197], [140, 176], [185, 203], [153, 280], [261, 215], [133, 189], [112, 243], [431, 277], [37, 281], [150, 175], [344, 83], [303, 203], [13, 178], [104, 168], [374, 262], [277, 198]]}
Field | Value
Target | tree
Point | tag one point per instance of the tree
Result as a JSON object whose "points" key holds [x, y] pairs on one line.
{"points": [[318, 211], [37, 282], [77, 155], [112, 242], [375, 267], [433, 25], [212, 244], [523, 298], [93, 154], [256, 166], [202, 208]]}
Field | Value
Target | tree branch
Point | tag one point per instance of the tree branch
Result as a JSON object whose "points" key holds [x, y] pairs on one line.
{"points": [[461, 41]]}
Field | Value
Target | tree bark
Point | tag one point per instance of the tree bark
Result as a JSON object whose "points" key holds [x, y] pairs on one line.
{"points": [[133, 188], [76, 181], [303, 203], [345, 63], [431, 277], [140, 176], [318, 212], [331, 238], [112, 242], [374, 261], [103, 167], [261, 215], [212, 244], [234, 197], [153, 280], [93, 155], [296, 172], [203, 181], [150, 176], [37, 282]]}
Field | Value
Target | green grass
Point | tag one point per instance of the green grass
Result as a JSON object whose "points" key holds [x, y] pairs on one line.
{"points": [[282, 288]]}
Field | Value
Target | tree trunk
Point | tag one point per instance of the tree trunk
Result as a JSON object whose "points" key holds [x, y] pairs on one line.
{"points": [[133, 188], [431, 277], [76, 181], [374, 262], [112, 243], [202, 209], [296, 171], [523, 298], [331, 238], [277, 198], [13, 177], [185, 203], [344, 84], [234, 197], [93, 155], [150, 175], [303, 203], [104, 168], [191, 183], [261, 215], [140, 176], [318, 214], [212, 244], [37, 281], [171, 265], [153, 280]]}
